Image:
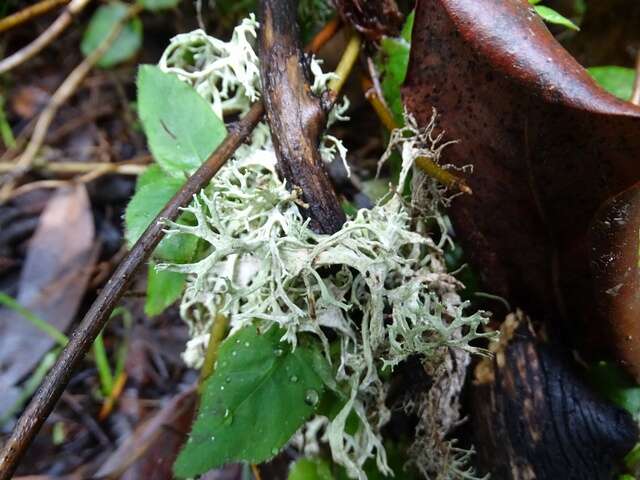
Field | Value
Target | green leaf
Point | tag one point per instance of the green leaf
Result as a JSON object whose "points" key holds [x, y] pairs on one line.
{"points": [[617, 386], [615, 80], [181, 129], [153, 190], [163, 289], [392, 60], [155, 5], [408, 26], [308, 469], [101, 24], [551, 16], [146, 203], [259, 395]]}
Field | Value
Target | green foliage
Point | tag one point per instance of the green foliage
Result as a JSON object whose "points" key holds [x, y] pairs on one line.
{"points": [[261, 392], [617, 386], [310, 469], [392, 61], [153, 190], [182, 132], [180, 126], [551, 16], [155, 5], [152, 194], [616, 80], [163, 288], [102, 23]]}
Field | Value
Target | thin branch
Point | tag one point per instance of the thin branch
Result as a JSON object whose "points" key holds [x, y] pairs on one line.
{"points": [[97, 316], [296, 116], [635, 98], [28, 13], [216, 336], [61, 95], [49, 392], [48, 36], [324, 35], [71, 168], [346, 63]]}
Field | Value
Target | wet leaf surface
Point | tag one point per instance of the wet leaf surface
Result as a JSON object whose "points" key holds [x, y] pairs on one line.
{"points": [[52, 283], [548, 147]]}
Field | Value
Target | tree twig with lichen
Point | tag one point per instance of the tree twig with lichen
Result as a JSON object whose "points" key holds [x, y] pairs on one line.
{"points": [[296, 116]]}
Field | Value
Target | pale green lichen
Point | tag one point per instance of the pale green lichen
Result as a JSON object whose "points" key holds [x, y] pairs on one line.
{"points": [[379, 284]]}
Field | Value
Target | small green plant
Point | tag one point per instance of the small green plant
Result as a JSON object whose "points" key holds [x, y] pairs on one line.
{"points": [[551, 16], [616, 80], [317, 322]]}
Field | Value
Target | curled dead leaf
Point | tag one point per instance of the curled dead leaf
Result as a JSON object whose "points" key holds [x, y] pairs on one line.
{"points": [[547, 145]]}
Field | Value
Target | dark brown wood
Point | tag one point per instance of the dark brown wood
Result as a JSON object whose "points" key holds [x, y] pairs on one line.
{"points": [[533, 417], [95, 319], [296, 116]]}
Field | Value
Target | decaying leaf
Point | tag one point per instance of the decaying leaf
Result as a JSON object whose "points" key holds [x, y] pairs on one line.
{"points": [[372, 18], [615, 255], [547, 145], [52, 283], [153, 446], [534, 417]]}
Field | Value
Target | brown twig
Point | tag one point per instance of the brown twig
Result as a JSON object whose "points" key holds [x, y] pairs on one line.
{"points": [[28, 13], [97, 316], [48, 36], [635, 97], [70, 168], [45, 398], [61, 95], [296, 116], [324, 35]]}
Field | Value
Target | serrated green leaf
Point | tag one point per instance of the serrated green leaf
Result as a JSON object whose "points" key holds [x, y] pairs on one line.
{"points": [[259, 395], [101, 24], [616, 80], [163, 289], [155, 5], [181, 129], [551, 16], [308, 469]]}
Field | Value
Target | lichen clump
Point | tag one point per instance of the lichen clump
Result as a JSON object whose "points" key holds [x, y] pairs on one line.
{"points": [[379, 285]]}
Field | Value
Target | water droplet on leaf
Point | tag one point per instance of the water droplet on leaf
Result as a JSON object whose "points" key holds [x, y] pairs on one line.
{"points": [[311, 398]]}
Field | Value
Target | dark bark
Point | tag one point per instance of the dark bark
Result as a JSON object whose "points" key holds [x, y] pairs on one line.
{"points": [[534, 417], [296, 116]]}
